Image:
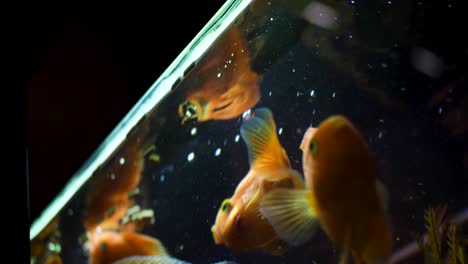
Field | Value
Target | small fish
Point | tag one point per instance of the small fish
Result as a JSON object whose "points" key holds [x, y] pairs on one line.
{"points": [[342, 194], [109, 246], [159, 260], [239, 224], [223, 85]]}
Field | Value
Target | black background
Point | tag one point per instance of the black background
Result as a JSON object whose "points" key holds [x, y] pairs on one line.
{"points": [[81, 69], [86, 71]]}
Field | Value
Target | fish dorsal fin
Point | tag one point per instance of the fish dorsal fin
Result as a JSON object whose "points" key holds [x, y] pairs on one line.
{"points": [[291, 213], [260, 136], [150, 260]]}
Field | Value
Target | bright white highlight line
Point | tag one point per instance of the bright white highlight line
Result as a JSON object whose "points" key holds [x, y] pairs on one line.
{"points": [[202, 41]]}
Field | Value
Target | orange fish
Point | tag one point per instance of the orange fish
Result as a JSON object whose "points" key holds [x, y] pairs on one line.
{"points": [[239, 224], [223, 85], [342, 195], [110, 246]]}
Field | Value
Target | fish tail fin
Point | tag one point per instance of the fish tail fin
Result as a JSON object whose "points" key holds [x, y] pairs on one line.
{"points": [[260, 136], [291, 214]]}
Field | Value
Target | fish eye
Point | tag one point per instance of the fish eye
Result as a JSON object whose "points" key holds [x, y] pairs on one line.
{"points": [[313, 146], [226, 205]]}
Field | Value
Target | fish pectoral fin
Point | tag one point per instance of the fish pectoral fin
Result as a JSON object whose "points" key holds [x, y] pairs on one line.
{"points": [[234, 91], [291, 214], [345, 253], [259, 134], [276, 247], [344, 257], [222, 107], [382, 193], [252, 209], [150, 260]]}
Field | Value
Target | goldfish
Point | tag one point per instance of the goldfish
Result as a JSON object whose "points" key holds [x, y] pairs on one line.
{"points": [[110, 246], [343, 195], [239, 224], [159, 260], [223, 85]]}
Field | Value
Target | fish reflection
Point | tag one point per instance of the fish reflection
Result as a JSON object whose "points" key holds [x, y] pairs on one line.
{"points": [[110, 246], [113, 220], [239, 224], [46, 246], [108, 201], [223, 85], [159, 260], [343, 195]]}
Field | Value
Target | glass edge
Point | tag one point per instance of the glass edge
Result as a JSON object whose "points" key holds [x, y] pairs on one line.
{"points": [[162, 86]]}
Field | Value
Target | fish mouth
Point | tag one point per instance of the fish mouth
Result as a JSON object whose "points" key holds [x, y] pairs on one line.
{"points": [[216, 236], [307, 137]]}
